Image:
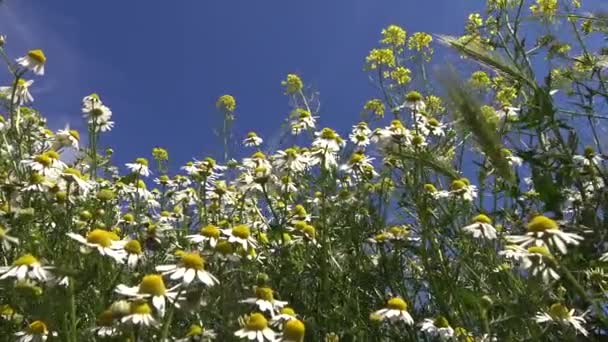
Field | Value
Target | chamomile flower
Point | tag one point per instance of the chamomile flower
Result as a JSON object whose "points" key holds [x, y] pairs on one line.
{"points": [[134, 253], [286, 314], [461, 188], [151, 286], [104, 242], [47, 164], [208, 233], [328, 140], [543, 230], [290, 159], [26, 267], [197, 332], [6, 241], [191, 267], [481, 228], [34, 61], [36, 331], [240, 234], [255, 328], [559, 314], [98, 115], [66, 138], [140, 313], [435, 127], [252, 140], [536, 260], [105, 325], [302, 120], [414, 101], [22, 92], [293, 331], [438, 328], [360, 135], [264, 300], [74, 179], [140, 167], [395, 310]]}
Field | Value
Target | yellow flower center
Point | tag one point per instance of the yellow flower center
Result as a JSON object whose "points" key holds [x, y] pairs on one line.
{"points": [[152, 284], [441, 322], [52, 154], [541, 223], [398, 231], [257, 322], [294, 330], [397, 303], [44, 160], [264, 293], [25, 260], [100, 237], [288, 311], [430, 188], [433, 122], [193, 260], [74, 133], [481, 218], [210, 231], [458, 185], [310, 231], [417, 140], [108, 195], [37, 55], [38, 328], [559, 311], [542, 250], [413, 96], [241, 231], [133, 247], [72, 171], [6, 310], [2, 233], [224, 247], [195, 330], [142, 161], [140, 308], [328, 134]]}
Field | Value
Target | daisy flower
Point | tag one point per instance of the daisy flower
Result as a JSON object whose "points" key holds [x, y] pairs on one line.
{"points": [[395, 310], [414, 101], [151, 286], [73, 176], [134, 253], [435, 127], [438, 327], [105, 325], [6, 240], [264, 300], [328, 140], [559, 314], [140, 313], [26, 267], [462, 188], [67, 138], [537, 260], [240, 234], [35, 332], [190, 267], [543, 230], [105, 242], [47, 164], [481, 228], [302, 120], [34, 61], [208, 233], [360, 134], [290, 160], [197, 332], [391, 136], [256, 329], [140, 167], [252, 140], [22, 92], [293, 331], [286, 314]]}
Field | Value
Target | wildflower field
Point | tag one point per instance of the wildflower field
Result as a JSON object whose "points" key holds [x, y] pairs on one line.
{"points": [[466, 203]]}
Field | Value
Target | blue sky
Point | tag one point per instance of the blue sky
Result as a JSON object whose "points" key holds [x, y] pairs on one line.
{"points": [[161, 65]]}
